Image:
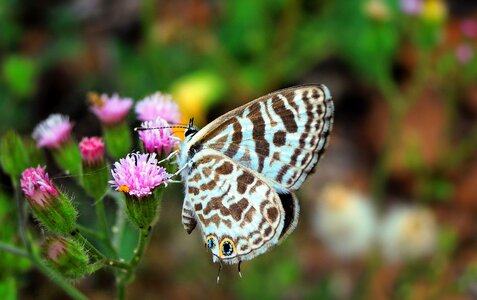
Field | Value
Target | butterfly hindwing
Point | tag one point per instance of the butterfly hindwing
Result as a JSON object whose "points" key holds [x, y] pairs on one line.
{"points": [[239, 214], [281, 135]]}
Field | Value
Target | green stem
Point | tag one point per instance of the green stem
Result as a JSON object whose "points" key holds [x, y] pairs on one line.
{"points": [[82, 240], [58, 279], [14, 250], [103, 223], [90, 231], [120, 219], [123, 281]]}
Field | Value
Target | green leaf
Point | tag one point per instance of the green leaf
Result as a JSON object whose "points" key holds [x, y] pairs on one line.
{"points": [[8, 289], [19, 73], [13, 156]]}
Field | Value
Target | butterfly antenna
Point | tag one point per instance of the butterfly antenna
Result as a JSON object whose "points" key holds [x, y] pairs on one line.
{"points": [[162, 127], [240, 273]]}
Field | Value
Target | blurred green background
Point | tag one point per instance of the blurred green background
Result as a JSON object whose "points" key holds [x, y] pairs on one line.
{"points": [[403, 75]]}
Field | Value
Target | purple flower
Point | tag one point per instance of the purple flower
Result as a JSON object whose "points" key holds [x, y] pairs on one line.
{"points": [[161, 141], [158, 105], [138, 174], [469, 28], [411, 7], [37, 186], [110, 110], [53, 132], [464, 53]]}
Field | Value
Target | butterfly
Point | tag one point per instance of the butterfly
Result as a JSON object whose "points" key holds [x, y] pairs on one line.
{"points": [[241, 170]]}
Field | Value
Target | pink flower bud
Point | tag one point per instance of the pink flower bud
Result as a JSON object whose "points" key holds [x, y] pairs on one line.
{"points": [[92, 150], [53, 132], [38, 188], [110, 110], [161, 141], [158, 105]]}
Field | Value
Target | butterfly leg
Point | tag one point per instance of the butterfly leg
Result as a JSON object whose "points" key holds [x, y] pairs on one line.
{"points": [[187, 165], [169, 157], [240, 273], [220, 269]]}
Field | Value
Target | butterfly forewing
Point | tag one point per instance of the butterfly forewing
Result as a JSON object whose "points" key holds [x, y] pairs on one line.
{"points": [[232, 204], [281, 135]]}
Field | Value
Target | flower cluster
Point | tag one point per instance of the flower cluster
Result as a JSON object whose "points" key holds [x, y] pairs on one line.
{"points": [[138, 174]]}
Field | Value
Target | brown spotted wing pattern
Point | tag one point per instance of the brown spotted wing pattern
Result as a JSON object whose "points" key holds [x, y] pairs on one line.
{"points": [[281, 135], [240, 214], [240, 171]]}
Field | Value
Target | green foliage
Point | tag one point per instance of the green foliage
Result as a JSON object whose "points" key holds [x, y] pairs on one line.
{"points": [[19, 73], [13, 155]]}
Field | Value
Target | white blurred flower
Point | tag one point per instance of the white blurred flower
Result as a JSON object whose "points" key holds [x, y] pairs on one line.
{"points": [[345, 221], [408, 233]]}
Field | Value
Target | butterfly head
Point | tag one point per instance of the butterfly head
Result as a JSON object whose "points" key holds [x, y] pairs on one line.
{"points": [[191, 130]]}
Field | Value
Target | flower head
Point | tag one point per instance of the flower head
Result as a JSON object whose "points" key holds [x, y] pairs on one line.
{"points": [[55, 249], [411, 7], [92, 150], [464, 53], [53, 132], [66, 256], [408, 233], [345, 221], [469, 28], [158, 105], [161, 140], [110, 110], [37, 186], [138, 174]]}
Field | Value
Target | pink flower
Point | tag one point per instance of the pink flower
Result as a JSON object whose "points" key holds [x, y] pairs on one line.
{"points": [[110, 110], [158, 105], [53, 132], [411, 7], [92, 150], [55, 248], [138, 174], [464, 53], [37, 186], [469, 28], [160, 141]]}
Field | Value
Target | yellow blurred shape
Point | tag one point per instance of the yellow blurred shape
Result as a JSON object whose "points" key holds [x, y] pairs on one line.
{"points": [[434, 10]]}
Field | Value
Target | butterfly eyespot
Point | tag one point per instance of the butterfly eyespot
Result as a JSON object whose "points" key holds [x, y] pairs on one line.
{"points": [[210, 242], [227, 247]]}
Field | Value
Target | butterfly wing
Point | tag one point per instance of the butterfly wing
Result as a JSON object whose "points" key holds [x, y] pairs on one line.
{"points": [[239, 214], [281, 135]]}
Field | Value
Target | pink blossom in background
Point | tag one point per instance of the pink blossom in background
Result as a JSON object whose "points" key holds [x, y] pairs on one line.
{"points": [[411, 7], [161, 141], [53, 132], [110, 110], [464, 53], [92, 150], [55, 248], [138, 174], [37, 186], [158, 105], [469, 28]]}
